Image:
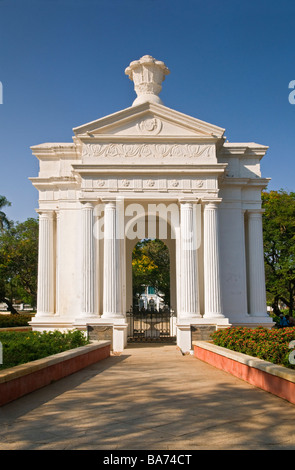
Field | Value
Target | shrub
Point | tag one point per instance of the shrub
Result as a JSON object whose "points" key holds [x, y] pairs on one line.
{"points": [[7, 321], [21, 347], [269, 345]]}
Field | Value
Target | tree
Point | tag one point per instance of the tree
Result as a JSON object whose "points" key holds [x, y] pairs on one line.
{"points": [[18, 263], [151, 267], [279, 247], [4, 222]]}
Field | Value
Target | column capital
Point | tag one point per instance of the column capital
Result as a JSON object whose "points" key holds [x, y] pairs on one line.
{"points": [[48, 213], [87, 203], [110, 202], [211, 203], [188, 200], [107, 199], [254, 212]]}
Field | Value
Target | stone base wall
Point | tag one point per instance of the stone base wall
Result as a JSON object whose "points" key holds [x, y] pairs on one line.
{"points": [[202, 332], [21, 380], [278, 380], [100, 333]]}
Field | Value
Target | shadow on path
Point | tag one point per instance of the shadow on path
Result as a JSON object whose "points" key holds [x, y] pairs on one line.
{"points": [[148, 398]]}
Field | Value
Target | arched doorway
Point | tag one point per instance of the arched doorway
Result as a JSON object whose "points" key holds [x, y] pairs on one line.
{"points": [[151, 275], [150, 283]]}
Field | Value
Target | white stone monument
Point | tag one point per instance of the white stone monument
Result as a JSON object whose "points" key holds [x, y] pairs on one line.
{"points": [[149, 171]]}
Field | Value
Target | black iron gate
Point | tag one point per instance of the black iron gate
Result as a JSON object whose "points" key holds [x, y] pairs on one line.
{"points": [[151, 326]]}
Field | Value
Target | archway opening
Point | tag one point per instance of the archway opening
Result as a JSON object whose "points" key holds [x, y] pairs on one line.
{"points": [[151, 275], [151, 318]]}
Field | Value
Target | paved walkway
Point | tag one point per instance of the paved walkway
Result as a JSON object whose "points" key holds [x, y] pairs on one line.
{"points": [[148, 398]]}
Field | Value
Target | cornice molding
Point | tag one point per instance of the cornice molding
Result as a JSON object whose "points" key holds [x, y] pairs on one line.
{"points": [[243, 149], [158, 169], [232, 181]]}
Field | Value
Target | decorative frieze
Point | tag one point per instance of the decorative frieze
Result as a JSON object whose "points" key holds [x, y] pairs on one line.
{"points": [[148, 183], [161, 151]]}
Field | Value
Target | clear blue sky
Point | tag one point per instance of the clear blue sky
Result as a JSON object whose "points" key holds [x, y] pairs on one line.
{"points": [[62, 65]]}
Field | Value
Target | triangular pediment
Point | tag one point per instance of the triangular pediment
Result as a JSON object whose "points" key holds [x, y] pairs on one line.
{"points": [[149, 120]]}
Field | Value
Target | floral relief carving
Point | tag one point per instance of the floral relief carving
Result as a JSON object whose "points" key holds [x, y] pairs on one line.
{"points": [[156, 151], [199, 184]]}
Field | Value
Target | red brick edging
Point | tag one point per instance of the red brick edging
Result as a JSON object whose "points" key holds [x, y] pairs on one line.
{"points": [[21, 380], [278, 380]]}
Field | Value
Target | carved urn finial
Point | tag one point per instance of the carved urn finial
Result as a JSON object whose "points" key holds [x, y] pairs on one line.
{"points": [[147, 74]]}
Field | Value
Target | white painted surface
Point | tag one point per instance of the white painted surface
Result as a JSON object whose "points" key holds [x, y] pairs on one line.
{"points": [[149, 154]]}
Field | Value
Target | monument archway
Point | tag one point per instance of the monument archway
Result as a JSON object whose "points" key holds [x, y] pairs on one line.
{"points": [[145, 155]]}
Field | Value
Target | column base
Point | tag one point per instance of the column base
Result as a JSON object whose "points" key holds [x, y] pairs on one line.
{"points": [[43, 315], [51, 324], [184, 329], [253, 321], [113, 317], [212, 315], [258, 314], [184, 337], [111, 329], [87, 316]]}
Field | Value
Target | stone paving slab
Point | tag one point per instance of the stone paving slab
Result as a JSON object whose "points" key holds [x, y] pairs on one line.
{"points": [[148, 398]]}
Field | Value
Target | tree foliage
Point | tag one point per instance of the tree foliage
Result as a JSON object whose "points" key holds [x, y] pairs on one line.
{"points": [[4, 221], [151, 267], [279, 247], [18, 262]]}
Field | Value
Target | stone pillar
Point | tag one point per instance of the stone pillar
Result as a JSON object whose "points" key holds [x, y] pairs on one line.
{"points": [[46, 265], [212, 291], [256, 274], [58, 263], [189, 289], [88, 258], [112, 280]]}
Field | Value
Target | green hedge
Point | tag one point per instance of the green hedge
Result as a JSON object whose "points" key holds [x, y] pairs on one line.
{"points": [[20, 347], [268, 344], [7, 321]]}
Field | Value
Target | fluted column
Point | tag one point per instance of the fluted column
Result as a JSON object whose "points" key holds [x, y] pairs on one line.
{"points": [[212, 291], [256, 273], [88, 258], [46, 265], [189, 305], [57, 263], [112, 281]]}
